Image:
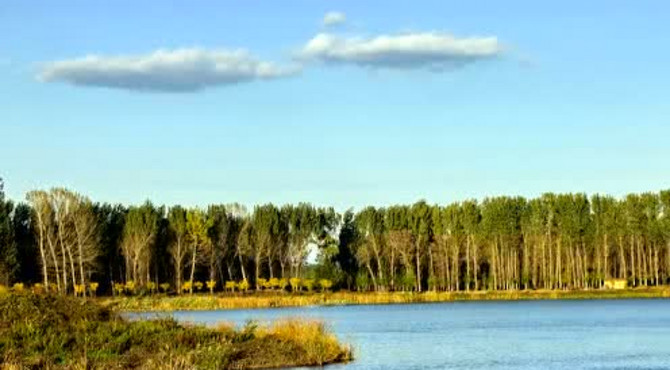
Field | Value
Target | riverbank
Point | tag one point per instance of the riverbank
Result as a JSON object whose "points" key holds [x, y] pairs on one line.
{"points": [[277, 299], [47, 331]]}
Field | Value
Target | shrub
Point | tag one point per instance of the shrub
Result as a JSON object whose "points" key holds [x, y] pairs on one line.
{"points": [[295, 283], [309, 284], [283, 283], [273, 283], [93, 287], [231, 285], [211, 284], [186, 286], [243, 285], [38, 288], [165, 287], [130, 286], [79, 289], [18, 287], [325, 284], [198, 285], [151, 286]]}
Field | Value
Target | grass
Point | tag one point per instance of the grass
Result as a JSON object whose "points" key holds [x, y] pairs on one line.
{"points": [[280, 299], [46, 331]]}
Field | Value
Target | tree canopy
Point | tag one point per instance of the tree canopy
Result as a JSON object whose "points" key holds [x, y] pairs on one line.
{"points": [[65, 241]]}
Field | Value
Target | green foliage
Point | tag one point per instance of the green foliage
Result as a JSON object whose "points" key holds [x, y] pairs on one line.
{"points": [[555, 241], [9, 255], [48, 331]]}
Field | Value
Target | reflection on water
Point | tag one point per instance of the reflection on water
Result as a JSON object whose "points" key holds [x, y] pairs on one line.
{"points": [[600, 334]]}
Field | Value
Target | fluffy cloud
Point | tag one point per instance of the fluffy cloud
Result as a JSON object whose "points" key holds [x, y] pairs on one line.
{"points": [[180, 70], [430, 50], [334, 18]]}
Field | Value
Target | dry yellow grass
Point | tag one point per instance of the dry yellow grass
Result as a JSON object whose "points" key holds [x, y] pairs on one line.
{"points": [[320, 344], [276, 299]]}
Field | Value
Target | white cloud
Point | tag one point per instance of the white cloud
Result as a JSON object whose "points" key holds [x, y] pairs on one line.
{"points": [[429, 50], [334, 18], [179, 70]]}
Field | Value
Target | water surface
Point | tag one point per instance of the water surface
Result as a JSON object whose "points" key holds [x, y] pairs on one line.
{"points": [[596, 334]]}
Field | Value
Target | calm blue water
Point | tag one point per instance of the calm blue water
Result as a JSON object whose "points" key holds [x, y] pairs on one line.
{"points": [[602, 334]]}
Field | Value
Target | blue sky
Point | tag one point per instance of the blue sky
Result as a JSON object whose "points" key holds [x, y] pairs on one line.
{"points": [[569, 97]]}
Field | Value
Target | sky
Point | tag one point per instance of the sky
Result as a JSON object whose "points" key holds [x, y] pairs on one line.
{"points": [[342, 103]]}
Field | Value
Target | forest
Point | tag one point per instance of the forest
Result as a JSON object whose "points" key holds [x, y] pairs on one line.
{"points": [[63, 241]]}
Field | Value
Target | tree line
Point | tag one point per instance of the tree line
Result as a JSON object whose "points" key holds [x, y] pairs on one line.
{"points": [[62, 240]]}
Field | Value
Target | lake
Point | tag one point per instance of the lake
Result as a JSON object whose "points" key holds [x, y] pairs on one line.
{"points": [[556, 334]]}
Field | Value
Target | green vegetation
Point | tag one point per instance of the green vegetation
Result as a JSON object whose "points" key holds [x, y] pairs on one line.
{"points": [[53, 331], [69, 244]]}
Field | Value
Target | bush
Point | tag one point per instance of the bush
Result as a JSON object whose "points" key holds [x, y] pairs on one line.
{"points": [[295, 283], [231, 285], [325, 284], [309, 284], [243, 285], [186, 286], [211, 284], [93, 287]]}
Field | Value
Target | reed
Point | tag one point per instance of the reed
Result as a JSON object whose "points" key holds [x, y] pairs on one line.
{"points": [[278, 299]]}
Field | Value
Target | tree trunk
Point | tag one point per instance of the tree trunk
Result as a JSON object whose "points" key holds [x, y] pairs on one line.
{"points": [[475, 265], [467, 264], [193, 259], [244, 272]]}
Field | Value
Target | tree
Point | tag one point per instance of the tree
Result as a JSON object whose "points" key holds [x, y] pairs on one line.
{"points": [[67, 235], [555, 241], [45, 230], [177, 242], [111, 221], [301, 221], [399, 242], [266, 226], [347, 245], [24, 238], [86, 235], [420, 224], [9, 263], [245, 245], [197, 227], [139, 234], [370, 225]]}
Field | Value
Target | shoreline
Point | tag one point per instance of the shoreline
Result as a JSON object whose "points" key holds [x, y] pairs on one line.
{"points": [[259, 300]]}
